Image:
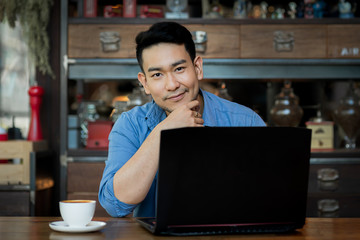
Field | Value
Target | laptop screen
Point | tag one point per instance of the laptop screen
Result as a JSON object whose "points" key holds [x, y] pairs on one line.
{"points": [[233, 175]]}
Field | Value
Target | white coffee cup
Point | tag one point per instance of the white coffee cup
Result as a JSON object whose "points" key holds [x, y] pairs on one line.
{"points": [[77, 213]]}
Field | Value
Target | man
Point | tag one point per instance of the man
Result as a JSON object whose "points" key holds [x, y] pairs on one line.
{"points": [[171, 72]]}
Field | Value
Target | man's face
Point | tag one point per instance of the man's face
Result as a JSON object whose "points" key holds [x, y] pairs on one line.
{"points": [[170, 76]]}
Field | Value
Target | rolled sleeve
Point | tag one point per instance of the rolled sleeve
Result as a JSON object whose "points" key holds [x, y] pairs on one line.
{"points": [[123, 144], [110, 203]]}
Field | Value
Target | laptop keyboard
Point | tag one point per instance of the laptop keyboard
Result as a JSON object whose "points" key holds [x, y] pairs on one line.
{"points": [[230, 230]]}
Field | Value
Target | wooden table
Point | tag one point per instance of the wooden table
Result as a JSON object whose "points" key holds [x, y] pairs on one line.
{"points": [[20, 228]]}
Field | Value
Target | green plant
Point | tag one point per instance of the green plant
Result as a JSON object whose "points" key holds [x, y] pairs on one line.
{"points": [[34, 16]]}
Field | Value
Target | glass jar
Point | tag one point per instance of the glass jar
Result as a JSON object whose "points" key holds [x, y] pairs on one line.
{"points": [[119, 108], [347, 116], [286, 112], [138, 97]]}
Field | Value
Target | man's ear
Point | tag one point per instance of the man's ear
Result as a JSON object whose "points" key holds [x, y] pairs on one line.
{"points": [[198, 64], [143, 81]]}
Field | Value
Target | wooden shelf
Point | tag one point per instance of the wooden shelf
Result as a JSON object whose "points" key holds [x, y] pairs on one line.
{"points": [[353, 153], [102, 20]]}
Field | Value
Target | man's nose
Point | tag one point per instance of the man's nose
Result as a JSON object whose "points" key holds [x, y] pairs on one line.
{"points": [[171, 82]]}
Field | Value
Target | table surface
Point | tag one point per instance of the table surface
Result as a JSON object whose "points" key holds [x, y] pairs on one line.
{"points": [[126, 228]]}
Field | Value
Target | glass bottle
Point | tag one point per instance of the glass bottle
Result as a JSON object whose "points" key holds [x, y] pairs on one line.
{"points": [[240, 9], [347, 116], [286, 112], [87, 114]]}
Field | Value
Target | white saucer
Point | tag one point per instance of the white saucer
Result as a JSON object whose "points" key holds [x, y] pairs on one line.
{"points": [[63, 227]]}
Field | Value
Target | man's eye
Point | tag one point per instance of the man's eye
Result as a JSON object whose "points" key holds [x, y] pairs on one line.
{"points": [[156, 75], [179, 69]]}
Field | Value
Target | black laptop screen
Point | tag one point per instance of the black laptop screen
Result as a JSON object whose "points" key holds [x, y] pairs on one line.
{"points": [[233, 175]]}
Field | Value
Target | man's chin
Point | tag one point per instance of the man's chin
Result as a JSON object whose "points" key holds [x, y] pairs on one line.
{"points": [[173, 107]]}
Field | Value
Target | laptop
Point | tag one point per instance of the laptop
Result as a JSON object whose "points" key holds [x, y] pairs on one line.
{"points": [[230, 180]]}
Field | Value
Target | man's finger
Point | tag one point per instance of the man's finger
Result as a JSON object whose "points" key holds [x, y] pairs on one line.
{"points": [[194, 105]]}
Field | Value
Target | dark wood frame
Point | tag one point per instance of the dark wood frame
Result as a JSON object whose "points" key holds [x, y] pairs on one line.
{"points": [[50, 113]]}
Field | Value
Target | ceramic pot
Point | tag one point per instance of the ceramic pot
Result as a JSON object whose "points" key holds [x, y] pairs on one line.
{"points": [[286, 111]]}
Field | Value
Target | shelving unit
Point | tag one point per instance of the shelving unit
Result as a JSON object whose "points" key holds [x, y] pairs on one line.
{"points": [[324, 67], [23, 188]]}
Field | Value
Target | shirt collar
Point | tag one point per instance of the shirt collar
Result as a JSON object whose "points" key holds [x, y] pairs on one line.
{"points": [[155, 115], [209, 115]]}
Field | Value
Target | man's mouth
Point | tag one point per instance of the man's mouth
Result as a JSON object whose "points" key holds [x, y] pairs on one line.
{"points": [[176, 97]]}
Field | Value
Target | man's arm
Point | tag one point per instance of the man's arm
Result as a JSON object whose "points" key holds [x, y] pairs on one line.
{"points": [[133, 181]]}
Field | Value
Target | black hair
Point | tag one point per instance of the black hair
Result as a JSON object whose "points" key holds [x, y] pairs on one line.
{"points": [[164, 32]]}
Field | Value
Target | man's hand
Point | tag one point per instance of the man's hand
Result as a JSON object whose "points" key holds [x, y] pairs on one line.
{"points": [[186, 115]]}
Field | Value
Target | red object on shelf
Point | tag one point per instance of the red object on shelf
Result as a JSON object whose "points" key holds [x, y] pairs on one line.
{"points": [[98, 133], [148, 11], [35, 133], [3, 137], [113, 11]]}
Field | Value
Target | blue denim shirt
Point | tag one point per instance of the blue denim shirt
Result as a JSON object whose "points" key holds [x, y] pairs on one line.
{"points": [[132, 128]]}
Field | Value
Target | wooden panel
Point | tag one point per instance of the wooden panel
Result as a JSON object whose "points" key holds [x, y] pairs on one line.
{"points": [[344, 41], [347, 183], [19, 173], [14, 203], [84, 40], [83, 182], [44, 201], [223, 40], [17, 148], [258, 41], [14, 174], [348, 206], [345, 190], [84, 176]]}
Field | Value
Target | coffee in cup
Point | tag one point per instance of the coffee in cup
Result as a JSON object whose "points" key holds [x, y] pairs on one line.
{"points": [[77, 213]]}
